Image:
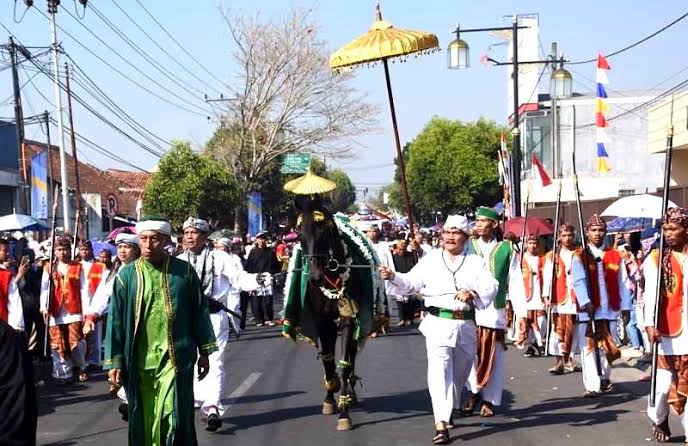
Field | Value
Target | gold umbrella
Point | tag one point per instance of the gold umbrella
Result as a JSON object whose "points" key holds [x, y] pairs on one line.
{"points": [[380, 43], [310, 184]]}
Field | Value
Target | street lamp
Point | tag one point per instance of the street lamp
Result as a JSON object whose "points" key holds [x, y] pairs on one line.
{"points": [[458, 53], [457, 57], [561, 82]]}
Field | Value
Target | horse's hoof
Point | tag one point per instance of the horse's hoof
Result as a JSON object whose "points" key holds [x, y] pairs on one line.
{"points": [[329, 408], [344, 424]]}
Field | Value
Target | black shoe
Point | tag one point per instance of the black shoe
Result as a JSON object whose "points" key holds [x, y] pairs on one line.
{"points": [[123, 410], [213, 422], [606, 386]]}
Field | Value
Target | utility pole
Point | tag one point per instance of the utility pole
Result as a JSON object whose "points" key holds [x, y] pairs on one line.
{"points": [[74, 156], [516, 132], [19, 124], [52, 10]]}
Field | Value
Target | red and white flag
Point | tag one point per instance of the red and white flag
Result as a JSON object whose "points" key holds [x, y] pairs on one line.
{"points": [[539, 171]]}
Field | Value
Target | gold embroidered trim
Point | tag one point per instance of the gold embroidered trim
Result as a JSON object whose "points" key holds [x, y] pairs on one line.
{"points": [[170, 312]]}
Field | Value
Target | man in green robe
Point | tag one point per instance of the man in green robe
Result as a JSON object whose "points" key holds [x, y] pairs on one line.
{"points": [[158, 326]]}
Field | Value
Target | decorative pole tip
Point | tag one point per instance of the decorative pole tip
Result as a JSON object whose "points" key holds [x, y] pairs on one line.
{"points": [[378, 12]]}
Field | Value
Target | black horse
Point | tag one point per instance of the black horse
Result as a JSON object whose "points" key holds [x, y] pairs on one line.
{"points": [[324, 258]]}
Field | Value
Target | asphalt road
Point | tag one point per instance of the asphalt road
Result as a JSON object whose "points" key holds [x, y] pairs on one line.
{"points": [[275, 391]]}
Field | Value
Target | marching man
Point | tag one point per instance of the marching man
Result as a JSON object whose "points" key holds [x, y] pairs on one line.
{"points": [[221, 278], [65, 313], [454, 284], [671, 332], [569, 293], [532, 266], [94, 272], [608, 296], [487, 375], [11, 310]]}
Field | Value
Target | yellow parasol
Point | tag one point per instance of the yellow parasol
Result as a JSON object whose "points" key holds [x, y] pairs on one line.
{"points": [[380, 43], [310, 184]]}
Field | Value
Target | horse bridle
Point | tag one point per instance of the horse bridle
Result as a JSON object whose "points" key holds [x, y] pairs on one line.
{"points": [[332, 263]]}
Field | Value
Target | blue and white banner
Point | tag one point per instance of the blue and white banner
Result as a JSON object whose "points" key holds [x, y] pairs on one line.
{"points": [[39, 185], [255, 213]]}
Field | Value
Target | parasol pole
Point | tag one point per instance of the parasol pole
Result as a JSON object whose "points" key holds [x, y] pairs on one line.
{"points": [[660, 267], [584, 242], [555, 261], [402, 168]]}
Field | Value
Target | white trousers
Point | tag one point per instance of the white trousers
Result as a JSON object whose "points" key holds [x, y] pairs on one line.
{"points": [[122, 395], [62, 368], [448, 368], [660, 412], [492, 392], [208, 393], [556, 344], [591, 381]]}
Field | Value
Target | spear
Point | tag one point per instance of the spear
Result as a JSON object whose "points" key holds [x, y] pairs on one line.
{"points": [[586, 260], [51, 270], [660, 267], [555, 261]]}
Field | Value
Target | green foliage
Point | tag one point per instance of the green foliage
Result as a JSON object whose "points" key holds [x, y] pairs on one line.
{"points": [[451, 167], [188, 184], [344, 196]]}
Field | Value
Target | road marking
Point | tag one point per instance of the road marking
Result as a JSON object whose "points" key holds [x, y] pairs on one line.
{"points": [[244, 387]]}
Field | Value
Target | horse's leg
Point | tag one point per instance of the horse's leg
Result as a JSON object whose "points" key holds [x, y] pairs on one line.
{"points": [[327, 331], [345, 399], [353, 378]]}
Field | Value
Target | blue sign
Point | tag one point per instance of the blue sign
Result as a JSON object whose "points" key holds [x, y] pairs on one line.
{"points": [[255, 213], [39, 185]]}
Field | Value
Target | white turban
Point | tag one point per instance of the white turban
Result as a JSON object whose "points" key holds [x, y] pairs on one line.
{"points": [[224, 241], [154, 225], [196, 223], [130, 239], [457, 222]]}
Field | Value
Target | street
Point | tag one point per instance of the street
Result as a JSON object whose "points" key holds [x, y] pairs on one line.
{"points": [[275, 393]]}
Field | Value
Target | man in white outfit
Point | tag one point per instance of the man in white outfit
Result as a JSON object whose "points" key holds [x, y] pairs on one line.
{"points": [[454, 284], [384, 255], [221, 277]]}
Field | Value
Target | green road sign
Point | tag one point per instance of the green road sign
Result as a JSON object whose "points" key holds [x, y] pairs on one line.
{"points": [[295, 163]]}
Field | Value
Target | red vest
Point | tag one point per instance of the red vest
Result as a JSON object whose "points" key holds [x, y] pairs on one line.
{"points": [[611, 263], [95, 274], [670, 320], [528, 273], [561, 286], [5, 279], [67, 290]]}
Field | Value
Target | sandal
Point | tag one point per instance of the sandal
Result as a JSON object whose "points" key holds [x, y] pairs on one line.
{"points": [[486, 410], [557, 370], [590, 394], [661, 432], [83, 377], [469, 407], [441, 437]]}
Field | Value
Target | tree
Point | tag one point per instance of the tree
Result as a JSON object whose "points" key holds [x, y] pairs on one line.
{"points": [[285, 100], [189, 184], [344, 196], [452, 167]]}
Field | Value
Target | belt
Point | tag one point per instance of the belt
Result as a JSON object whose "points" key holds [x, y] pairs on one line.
{"points": [[463, 315]]}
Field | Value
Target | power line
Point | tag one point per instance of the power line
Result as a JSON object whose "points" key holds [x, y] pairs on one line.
{"points": [[634, 44], [128, 62], [181, 83], [191, 56], [129, 118], [118, 71], [161, 48]]}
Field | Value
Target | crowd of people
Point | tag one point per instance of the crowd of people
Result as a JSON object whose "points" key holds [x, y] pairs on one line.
{"points": [[473, 289]]}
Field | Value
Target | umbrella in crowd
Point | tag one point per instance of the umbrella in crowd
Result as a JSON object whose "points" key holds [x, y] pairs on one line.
{"points": [[19, 222], [381, 43], [637, 206], [535, 225], [121, 230]]}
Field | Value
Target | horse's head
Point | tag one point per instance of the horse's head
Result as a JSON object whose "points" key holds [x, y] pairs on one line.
{"points": [[320, 242]]}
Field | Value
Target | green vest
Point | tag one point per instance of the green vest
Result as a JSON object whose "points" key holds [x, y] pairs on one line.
{"points": [[500, 260]]}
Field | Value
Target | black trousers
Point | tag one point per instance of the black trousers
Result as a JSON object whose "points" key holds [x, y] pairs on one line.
{"points": [[261, 307], [405, 310], [243, 307]]}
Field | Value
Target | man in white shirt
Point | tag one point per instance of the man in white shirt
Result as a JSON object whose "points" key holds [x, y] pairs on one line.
{"points": [[95, 272], [454, 284], [384, 255], [222, 277], [64, 308], [11, 310], [608, 295]]}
